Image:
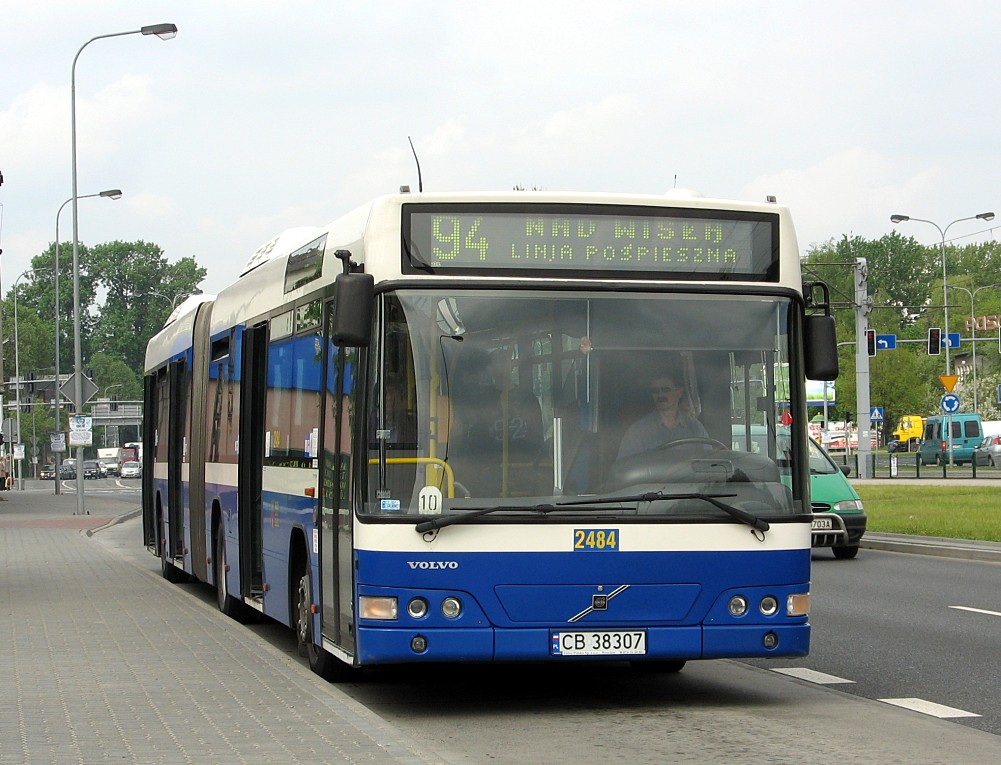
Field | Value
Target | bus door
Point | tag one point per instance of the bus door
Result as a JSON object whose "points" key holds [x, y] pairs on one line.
{"points": [[196, 408], [176, 420], [336, 543], [150, 424], [253, 388]]}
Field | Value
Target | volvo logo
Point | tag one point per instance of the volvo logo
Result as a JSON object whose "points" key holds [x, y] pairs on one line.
{"points": [[432, 564]]}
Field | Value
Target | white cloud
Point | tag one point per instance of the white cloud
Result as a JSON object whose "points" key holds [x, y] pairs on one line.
{"points": [[853, 191]]}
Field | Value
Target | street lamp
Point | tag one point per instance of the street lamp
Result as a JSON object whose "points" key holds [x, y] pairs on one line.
{"points": [[973, 318], [108, 194], [164, 32], [17, 373], [987, 216], [178, 296]]}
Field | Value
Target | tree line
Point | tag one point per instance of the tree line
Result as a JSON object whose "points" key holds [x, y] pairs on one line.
{"points": [[126, 294], [906, 295]]}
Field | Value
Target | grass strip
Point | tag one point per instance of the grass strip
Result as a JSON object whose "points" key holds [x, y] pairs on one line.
{"points": [[958, 512]]}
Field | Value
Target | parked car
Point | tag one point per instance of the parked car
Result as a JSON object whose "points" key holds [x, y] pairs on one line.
{"points": [[132, 470], [988, 452], [91, 469], [838, 518], [67, 471], [47, 472]]}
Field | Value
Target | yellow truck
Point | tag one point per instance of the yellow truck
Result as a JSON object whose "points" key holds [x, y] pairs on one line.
{"points": [[908, 433]]}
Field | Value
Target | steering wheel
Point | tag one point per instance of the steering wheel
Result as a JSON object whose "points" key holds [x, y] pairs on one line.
{"points": [[717, 445]]}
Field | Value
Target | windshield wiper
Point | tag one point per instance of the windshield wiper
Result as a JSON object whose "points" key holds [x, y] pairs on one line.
{"points": [[448, 520], [652, 496]]}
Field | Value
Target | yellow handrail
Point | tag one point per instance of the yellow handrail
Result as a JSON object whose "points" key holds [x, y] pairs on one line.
{"points": [[441, 464]]}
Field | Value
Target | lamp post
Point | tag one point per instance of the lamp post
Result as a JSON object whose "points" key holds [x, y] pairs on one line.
{"points": [[987, 216], [17, 374], [108, 194], [164, 32], [973, 328]]}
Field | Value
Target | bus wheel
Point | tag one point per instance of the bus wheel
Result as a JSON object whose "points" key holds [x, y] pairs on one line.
{"points": [[328, 667], [168, 570], [229, 605]]}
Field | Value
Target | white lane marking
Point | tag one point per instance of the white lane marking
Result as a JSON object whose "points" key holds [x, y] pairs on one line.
{"points": [[977, 610], [811, 675], [929, 708]]}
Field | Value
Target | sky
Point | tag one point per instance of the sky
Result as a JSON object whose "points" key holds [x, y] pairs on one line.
{"points": [[261, 116]]}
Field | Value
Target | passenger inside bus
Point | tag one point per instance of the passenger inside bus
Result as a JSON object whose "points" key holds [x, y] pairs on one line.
{"points": [[496, 431]]}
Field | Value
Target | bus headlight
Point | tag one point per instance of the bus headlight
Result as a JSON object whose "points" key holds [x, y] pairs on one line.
{"points": [[451, 607], [737, 605], [769, 605], [417, 608], [382, 607]]}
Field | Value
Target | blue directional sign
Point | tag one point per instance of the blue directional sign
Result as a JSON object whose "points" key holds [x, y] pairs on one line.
{"points": [[950, 403], [886, 342], [876, 414], [951, 340]]}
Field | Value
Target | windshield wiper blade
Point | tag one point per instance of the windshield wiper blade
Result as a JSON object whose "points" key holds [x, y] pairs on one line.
{"points": [[651, 496], [448, 520]]}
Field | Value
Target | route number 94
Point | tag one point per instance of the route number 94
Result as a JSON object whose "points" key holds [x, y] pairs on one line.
{"points": [[592, 540]]}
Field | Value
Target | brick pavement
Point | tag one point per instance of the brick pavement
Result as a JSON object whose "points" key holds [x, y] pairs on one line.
{"points": [[101, 661]]}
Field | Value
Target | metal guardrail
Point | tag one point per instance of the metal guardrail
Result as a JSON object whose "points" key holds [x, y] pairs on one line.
{"points": [[907, 465]]}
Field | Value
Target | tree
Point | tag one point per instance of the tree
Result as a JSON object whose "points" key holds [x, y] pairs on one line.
{"points": [[141, 287]]}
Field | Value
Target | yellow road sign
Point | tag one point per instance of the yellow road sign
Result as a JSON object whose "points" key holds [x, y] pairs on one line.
{"points": [[949, 382]]}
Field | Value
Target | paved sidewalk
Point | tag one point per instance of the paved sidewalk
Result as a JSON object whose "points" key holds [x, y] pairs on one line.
{"points": [[101, 661]]}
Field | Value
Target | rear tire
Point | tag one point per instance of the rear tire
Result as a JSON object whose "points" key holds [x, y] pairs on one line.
{"points": [[168, 570], [228, 604]]}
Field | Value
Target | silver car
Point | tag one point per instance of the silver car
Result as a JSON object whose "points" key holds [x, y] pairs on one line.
{"points": [[988, 452], [131, 470]]}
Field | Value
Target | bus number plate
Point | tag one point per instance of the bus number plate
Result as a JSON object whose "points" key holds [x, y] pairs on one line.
{"points": [[603, 643], [822, 524]]}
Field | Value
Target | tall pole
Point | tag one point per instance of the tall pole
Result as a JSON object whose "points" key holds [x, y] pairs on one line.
{"points": [[164, 31], [109, 194]]}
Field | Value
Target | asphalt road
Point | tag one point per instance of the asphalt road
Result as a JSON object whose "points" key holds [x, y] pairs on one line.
{"points": [[899, 626]]}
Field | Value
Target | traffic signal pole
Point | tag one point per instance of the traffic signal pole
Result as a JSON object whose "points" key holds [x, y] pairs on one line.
{"points": [[864, 425]]}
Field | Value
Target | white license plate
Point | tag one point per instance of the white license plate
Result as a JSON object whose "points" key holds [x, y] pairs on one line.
{"points": [[823, 524], [599, 643]]}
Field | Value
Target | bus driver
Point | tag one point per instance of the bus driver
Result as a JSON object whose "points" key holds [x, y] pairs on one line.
{"points": [[669, 421]]}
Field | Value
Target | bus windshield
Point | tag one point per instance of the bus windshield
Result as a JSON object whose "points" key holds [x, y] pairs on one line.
{"points": [[531, 404]]}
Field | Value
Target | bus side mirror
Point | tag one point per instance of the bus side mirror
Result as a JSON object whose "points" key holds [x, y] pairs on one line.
{"points": [[820, 347], [351, 326]]}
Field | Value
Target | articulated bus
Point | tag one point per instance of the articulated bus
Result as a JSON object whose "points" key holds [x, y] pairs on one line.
{"points": [[403, 435]]}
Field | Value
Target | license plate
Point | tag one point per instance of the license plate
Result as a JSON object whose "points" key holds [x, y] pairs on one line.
{"points": [[823, 524], [603, 643]]}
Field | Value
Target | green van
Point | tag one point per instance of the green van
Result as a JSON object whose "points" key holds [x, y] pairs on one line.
{"points": [[839, 520], [967, 433]]}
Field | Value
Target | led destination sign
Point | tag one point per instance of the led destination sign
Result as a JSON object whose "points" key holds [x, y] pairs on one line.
{"points": [[477, 239]]}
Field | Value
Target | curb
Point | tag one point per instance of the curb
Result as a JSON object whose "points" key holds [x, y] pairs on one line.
{"points": [[963, 549]]}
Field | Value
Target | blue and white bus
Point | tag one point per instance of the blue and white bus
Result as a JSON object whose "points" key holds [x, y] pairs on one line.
{"points": [[401, 434]]}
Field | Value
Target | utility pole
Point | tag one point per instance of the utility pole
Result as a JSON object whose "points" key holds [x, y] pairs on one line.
{"points": [[863, 424]]}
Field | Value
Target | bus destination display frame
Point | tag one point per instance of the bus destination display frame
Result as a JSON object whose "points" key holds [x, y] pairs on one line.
{"points": [[626, 241]]}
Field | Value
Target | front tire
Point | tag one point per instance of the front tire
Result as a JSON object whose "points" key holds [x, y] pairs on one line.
{"points": [[324, 664], [845, 553]]}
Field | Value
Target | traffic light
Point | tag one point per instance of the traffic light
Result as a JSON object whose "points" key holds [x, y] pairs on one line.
{"points": [[934, 341], [870, 341]]}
